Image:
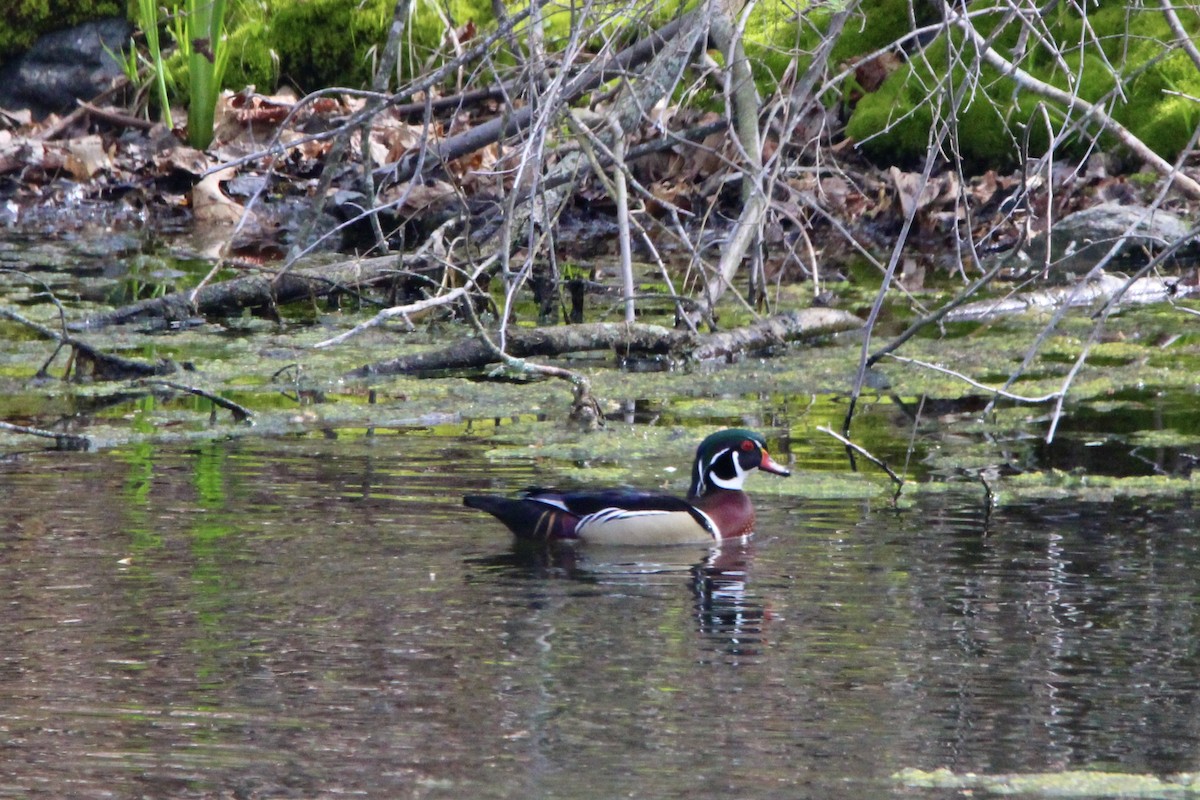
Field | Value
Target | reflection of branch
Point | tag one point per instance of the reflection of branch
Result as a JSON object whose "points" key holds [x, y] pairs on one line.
{"points": [[1026, 81], [862, 451]]}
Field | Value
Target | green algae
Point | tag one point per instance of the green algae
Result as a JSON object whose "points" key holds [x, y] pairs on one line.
{"points": [[928, 426]]}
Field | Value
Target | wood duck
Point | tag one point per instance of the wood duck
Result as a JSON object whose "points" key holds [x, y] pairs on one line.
{"points": [[716, 508]]}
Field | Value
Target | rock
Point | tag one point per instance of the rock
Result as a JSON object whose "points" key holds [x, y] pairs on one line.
{"points": [[64, 66], [1079, 240]]}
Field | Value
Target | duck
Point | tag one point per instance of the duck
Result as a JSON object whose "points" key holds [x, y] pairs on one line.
{"points": [[715, 509]]}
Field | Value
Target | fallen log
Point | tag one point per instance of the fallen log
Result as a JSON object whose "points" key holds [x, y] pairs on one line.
{"points": [[259, 290], [1101, 290], [624, 339]]}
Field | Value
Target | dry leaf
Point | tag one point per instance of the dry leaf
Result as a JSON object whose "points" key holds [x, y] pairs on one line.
{"points": [[86, 156], [420, 196], [210, 205]]}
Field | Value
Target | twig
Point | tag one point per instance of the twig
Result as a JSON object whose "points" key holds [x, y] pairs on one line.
{"points": [[62, 441], [585, 409], [862, 451], [989, 389], [113, 117], [936, 316], [395, 311], [421, 305]]}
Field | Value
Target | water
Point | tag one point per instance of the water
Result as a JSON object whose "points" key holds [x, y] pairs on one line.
{"points": [[319, 618]]}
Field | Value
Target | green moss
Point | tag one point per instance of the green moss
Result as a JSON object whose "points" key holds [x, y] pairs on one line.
{"points": [[321, 43], [252, 61], [878, 26], [1120, 45]]}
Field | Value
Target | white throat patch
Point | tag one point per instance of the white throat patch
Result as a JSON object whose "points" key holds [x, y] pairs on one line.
{"points": [[739, 476]]}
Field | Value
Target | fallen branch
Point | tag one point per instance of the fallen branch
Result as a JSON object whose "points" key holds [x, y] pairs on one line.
{"points": [[62, 441], [1102, 290], [624, 339], [89, 362]]}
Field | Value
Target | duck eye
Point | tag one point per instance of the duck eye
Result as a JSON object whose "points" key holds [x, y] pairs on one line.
{"points": [[747, 445]]}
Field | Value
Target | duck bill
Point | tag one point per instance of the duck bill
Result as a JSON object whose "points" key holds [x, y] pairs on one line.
{"points": [[768, 465]]}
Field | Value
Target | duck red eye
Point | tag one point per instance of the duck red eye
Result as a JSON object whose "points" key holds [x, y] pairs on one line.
{"points": [[747, 445]]}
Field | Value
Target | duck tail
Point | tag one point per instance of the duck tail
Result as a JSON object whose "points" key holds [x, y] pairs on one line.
{"points": [[527, 520]]}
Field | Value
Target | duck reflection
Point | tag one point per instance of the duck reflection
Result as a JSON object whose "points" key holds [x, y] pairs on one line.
{"points": [[726, 610]]}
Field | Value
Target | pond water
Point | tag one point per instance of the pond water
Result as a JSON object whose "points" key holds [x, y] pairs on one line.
{"points": [[320, 617]]}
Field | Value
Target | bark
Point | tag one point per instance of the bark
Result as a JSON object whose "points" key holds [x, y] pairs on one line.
{"points": [[625, 340]]}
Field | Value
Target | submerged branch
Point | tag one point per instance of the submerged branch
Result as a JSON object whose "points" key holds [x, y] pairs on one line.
{"points": [[862, 451], [974, 383], [240, 413]]}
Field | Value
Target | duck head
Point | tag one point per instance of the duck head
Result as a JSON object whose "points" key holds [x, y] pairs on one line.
{"points": [[725, 458]]}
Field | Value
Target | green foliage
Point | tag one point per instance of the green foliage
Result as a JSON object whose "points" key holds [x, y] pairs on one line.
{"points": [[197, 27], [201, 36], [23, 21], [147, 20]]}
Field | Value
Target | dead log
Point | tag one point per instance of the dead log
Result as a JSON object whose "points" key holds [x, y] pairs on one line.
{"points": [[260, 290], [625, 340]]}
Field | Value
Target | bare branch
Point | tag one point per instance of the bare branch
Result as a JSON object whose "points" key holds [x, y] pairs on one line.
{"points": [[1026, 81]]}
